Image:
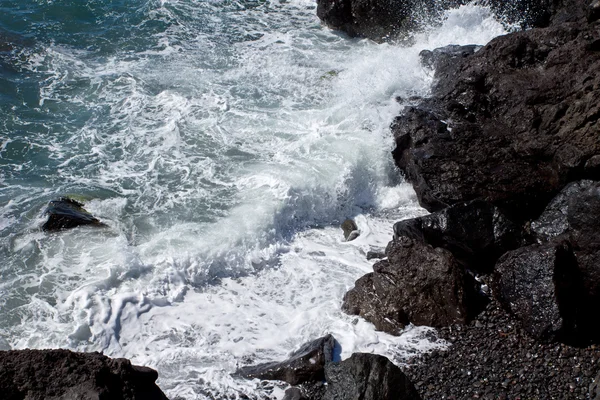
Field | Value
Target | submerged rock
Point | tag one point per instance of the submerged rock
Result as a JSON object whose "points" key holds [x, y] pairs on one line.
{"points": [[304, 365], [476, 233], [417, 284], [66, 213], [367, 377], [62, 374]]}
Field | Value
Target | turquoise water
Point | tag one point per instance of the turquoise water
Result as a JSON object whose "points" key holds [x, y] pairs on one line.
{"points": [[222, 143]]}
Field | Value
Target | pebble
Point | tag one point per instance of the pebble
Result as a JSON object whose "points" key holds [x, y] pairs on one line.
{"points": [[495, 359]]}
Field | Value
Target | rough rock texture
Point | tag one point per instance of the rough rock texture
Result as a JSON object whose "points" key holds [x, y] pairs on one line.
{"points": [[540, 285], [294, 393], [476, 233], [573, 216], [493, 358], [417, 284], [66, 213], [62, 374], [367, 377], [304, 365], [382, 20], [514, 123], [378, 20], [446, 61]]}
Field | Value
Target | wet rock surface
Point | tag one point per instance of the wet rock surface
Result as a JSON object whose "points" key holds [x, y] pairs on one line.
{"points": [[66, 213], [62, 374], [417, 284], [383, 20], [494, 358], [511, 124], [476, 233], [367, 377], [540, 285], [304, 365]]}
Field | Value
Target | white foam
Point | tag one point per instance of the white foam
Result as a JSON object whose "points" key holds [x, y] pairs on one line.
{"points": [[223, 172]]}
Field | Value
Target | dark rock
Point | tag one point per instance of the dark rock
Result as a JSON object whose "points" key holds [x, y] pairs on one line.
{"points": [[350, 229], [367, 377], [417, 284], [574, 216], [540, 285], [378, 20], [371, 255], [476, 233], [445, 61], [67, 213], [304, 365], [593, 12], [577, 204], [294, 393], [383, 20], [54, 374], [512, 125]]}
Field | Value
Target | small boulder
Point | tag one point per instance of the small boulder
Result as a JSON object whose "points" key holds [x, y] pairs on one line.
{"points": [[350, 229], [367, 377], [304, 365], [66, 213], [417, 284], [540, 285]]}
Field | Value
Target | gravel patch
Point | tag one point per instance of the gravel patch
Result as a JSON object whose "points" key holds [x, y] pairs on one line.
{"points": [[493, 358]]}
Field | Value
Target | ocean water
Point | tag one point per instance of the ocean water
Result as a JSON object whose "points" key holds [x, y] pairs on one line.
{"points": [[223, 143]]}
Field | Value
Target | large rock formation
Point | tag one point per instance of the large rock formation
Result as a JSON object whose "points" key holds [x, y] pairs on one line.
{"points": [[511, 124], [62, 374], [383, 20], [417, 284]]}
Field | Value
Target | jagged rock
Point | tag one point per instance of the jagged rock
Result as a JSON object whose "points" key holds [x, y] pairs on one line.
{"points": [[367, 377], [304, 365], [476, 233], [445, 61], [377, 20], [66, 213], [417, 284], [576, 204], [540, 284], [382, 20], [574, 216], [62, 374], [512, 125]]}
